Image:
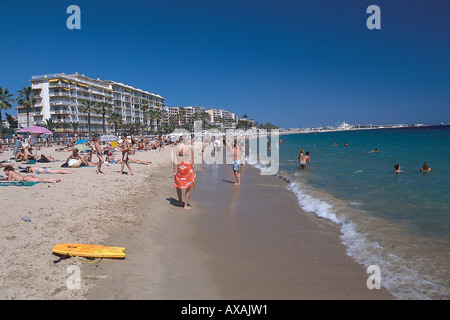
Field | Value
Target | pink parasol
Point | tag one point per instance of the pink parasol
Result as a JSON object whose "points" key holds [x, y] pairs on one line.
{"points": [[34, 131], [37, 130]]}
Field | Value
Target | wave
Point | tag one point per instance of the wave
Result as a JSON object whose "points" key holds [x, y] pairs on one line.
{"points": [[402, 281]]}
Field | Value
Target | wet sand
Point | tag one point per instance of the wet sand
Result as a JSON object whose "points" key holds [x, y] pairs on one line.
{"points": [[238, 242]]}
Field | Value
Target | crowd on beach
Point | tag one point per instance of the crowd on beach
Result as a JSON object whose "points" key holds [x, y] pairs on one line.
{"points": [[25, 156], [22, 166]]}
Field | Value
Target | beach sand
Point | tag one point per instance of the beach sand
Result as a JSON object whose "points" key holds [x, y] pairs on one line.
{"points": [[246, 242], [84, 208]]}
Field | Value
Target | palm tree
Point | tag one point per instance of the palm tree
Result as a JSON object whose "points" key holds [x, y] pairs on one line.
{"points": [[180, 115], [87, 107], [116, 119], [75, 126], [151, 115], [145, 107], [49, 124], [64, 125], [26, 99], [103, 108], [158, 117], [205, 117], [6, 100]]}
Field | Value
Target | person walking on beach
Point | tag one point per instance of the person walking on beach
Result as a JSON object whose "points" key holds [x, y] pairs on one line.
{"points": [[126, 147], [236, 166], [98, 150], [183, 171]]}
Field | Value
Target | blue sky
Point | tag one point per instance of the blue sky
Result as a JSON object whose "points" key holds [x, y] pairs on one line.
{"points": [[291, 63]]}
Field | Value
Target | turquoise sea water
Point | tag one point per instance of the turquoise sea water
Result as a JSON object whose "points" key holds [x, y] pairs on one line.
{"points": [[397, 221]]}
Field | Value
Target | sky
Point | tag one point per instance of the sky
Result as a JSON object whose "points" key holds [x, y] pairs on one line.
{"points": [[291, 63]]}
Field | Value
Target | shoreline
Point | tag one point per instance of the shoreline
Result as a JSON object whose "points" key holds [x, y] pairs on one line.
{"points": [[186, 255], [263, 246], [172, 253]]}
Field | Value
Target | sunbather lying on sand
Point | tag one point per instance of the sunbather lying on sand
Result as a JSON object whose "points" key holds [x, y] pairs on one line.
{"points": [[111, 159], [14, 176], [38, 170]]}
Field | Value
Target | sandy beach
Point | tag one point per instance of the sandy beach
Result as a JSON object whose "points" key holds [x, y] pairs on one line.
{"points": [[234, 243], [84, 207]]}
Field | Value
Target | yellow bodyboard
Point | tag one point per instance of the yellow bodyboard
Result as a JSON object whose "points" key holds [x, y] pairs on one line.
{"points": [[88, 250]]}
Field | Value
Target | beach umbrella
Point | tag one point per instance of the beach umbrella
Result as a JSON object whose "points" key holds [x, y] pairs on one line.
{"points": [[81, 141], [35, 130], [82, 147]]}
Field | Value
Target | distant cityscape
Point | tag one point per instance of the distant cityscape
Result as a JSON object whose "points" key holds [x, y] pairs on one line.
{"points": [[74, 103]]}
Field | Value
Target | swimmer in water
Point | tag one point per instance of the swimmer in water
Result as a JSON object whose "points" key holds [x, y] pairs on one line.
{"points": [[425, 167]]}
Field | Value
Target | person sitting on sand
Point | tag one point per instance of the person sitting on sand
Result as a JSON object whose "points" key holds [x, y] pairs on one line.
{"points": [[14, 176], [39, 170], [75, 155], [397, 169], [21, 156], [29, 154], [425, 167]]}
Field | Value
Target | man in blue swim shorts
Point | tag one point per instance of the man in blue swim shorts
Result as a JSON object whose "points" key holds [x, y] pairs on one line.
{"points": [[236, 166]]}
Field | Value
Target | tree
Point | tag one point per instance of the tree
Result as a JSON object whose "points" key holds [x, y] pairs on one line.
{"points": [[49, 124], [145, 108], [27, 100], [64, 125], [180, 115], [6, 100], [151, 115], [75, 126], [103, 108], [116, 119], [158, 118], [88, 106], [267, 126]]}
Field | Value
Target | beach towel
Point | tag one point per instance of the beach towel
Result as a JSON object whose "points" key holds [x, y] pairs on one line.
{"points": [[17, 183], [185, 176]]}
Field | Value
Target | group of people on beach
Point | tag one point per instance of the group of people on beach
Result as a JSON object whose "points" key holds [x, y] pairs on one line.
{"points": [[23, 153], [184, 174]]}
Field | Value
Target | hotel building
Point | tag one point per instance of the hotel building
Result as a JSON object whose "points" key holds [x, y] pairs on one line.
{"points": [[223, 118], [218, 117], [60, 97]]}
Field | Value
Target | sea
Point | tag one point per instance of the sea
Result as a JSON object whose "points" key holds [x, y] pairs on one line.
{"points": [[399, 222]]}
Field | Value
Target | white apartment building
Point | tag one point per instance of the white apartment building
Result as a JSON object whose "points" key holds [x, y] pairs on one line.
{"points": [[223, 118], [189, 112], [60, 96]]}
